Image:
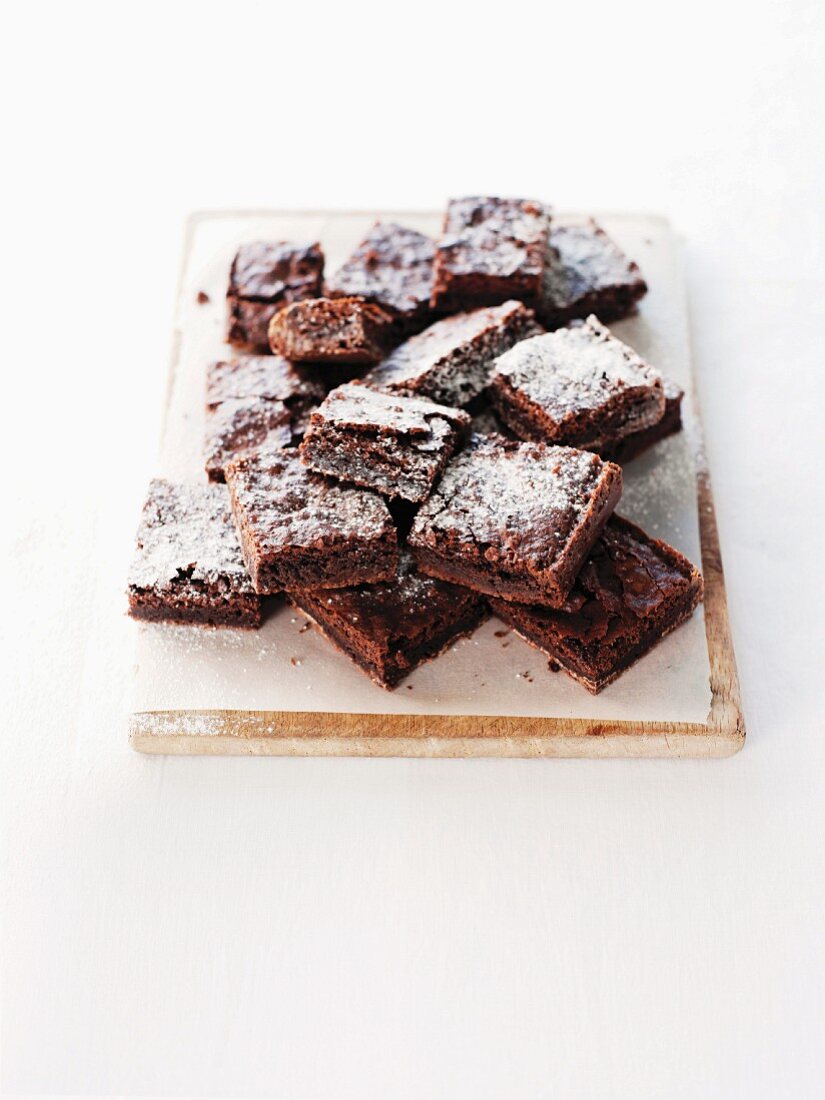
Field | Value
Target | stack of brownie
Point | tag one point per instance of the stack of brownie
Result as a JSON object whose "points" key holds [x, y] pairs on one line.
{"points": [[431, 435]]}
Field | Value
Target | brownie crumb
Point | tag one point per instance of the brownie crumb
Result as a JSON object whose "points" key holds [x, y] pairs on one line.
{"points": [[202, 298]]}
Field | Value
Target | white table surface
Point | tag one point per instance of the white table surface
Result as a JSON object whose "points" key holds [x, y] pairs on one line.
{"points": [[405, 928]]}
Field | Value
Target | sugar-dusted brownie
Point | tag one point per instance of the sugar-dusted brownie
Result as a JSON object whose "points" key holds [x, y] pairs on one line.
{"points": [[332, 330], [264, 277], [586, 272], [671, 423], [579, 386], [393, 267], [188, 567], [393, 444], [450, 361], [631, 592], [299, 530], [255, 401], [389, 629], [490, 250], [515, 520], [268, 376]]}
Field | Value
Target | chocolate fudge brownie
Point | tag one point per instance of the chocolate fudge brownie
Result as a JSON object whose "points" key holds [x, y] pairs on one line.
{"points": [[255, 401], [491, 250], [241, 425], [450, 361], [393, 267], [268, 376], [299, 530], [587, 273], [393, 444], [631, 592], [332, 330], [515, 520], [389, 629], [264, 277], [188, 567], [671, 423], [578, 386]]}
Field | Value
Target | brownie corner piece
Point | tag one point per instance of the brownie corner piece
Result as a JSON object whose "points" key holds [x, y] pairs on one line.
{"points": [[393, 444], [300, 530], [390, 628], [188, 566], [491, 249], [263, 277], [515, 520], [631, 592], [392, 267], [586, 272], [578, 386]]}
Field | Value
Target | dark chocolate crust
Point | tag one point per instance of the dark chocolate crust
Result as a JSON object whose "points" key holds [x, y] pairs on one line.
{"points": [[264, 277], [392, 267], [491, 250], [633, 445], [586, 272], [299, 530], [515, 520], [188, 566], [631, 592], [389, 629], [577, 386], [332, 330], [393, 444], [450, 362]]}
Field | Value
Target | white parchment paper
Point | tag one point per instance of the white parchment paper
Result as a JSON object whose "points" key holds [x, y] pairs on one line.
{"points": [[289, 666]]}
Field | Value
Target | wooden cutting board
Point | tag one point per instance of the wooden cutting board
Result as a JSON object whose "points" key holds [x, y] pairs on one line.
{"points": [[298, 731]]}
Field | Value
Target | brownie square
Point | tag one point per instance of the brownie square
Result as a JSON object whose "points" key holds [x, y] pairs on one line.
{"points": [[264, 277], [392, 267], [395, 445], [299, 530], [255, 402], [188, 567], [267, 376], [389, 629], [515, 520], [491, 250], [332, 330], [631, 592], [586, 272], [242, 425], [450, 361], [578, 386], [637, 442]]}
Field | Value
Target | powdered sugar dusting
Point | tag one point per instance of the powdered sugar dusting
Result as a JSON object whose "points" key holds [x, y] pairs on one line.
{"points": [[267, 376], [358, 406], [577, 368], [506, 495], [187, 531], [450, 361], [583, 259], [284, 503]]}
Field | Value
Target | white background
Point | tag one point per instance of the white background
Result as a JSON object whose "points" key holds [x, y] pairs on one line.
{"points": [[349, 928]]}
